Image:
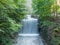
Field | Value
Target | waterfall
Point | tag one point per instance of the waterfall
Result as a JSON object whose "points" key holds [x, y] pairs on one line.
{"points": [[29, 33], [30, 26]]}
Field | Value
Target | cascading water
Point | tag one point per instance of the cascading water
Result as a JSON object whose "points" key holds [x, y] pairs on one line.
{"points": [[29, 34], [30, 26]]}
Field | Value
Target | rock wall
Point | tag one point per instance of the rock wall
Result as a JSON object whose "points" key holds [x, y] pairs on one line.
{"points": [[49, 31]]}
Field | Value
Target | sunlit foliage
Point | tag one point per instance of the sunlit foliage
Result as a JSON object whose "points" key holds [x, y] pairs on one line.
{"points": [[49, 24]]}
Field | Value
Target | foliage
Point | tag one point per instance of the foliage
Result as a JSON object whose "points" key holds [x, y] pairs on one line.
{"points": [[48, 24], [42, 8], [11, 13]]}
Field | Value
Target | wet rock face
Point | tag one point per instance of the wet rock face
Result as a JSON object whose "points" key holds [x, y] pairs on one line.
{"points": [[46, 32], [45, 35]]}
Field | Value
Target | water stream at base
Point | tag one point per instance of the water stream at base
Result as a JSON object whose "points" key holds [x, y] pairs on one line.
{"points": [[29, 40]]}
